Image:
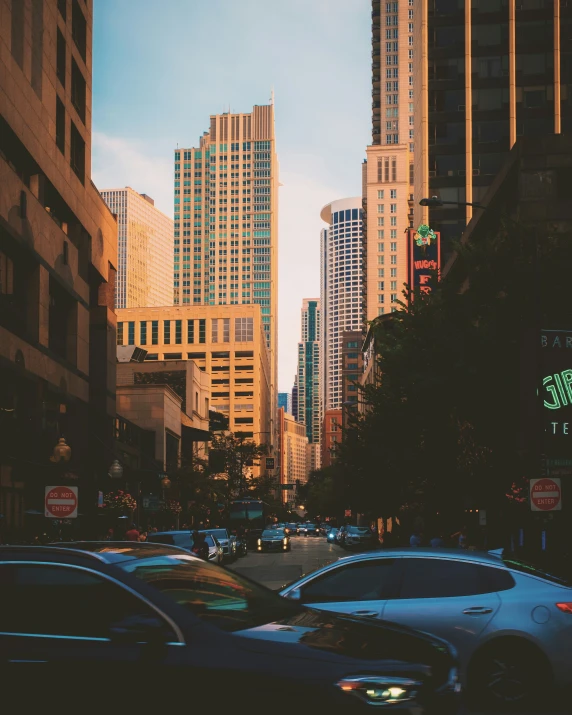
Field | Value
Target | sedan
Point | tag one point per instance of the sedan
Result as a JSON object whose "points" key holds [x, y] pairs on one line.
{"points": [[357, 537], [292, 529], [511, 622], [142, 610], [309, 530], [226, 540], [184, 540], [274, 540]]}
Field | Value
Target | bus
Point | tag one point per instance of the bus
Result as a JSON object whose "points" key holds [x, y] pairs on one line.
{"points": [[249, 514]]}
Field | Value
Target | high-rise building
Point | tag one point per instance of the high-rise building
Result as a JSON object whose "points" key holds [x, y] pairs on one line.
{"points": [[488, 75], [227, 341], [226, 219], [331, 436], [387, 182], [340, 292], [58, 258], [145, 245], [293, 451], [295, 396], [352, 370], [285, 401], [309, 397]]}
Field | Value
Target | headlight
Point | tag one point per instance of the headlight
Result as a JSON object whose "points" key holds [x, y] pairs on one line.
{"points": [[285, 541], [380, 690], [259, 542]]}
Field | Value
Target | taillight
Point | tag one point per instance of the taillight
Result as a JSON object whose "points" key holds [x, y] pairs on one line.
{"points": [[564, 607]]}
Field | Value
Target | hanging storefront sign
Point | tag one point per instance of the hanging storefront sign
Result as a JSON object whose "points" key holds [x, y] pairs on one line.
{"points": [[424, 254]]}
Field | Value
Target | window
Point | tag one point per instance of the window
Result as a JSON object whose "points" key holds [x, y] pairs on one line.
{"points": [[380, 208], [77, 153], [35, 599], [154, 332], [243, 330], [61, 59], [60, 125], [393, 246], [167, 332], [78, 90], [120, 333], [178, 332], [380, 194], [143, 332], [131, 333], [440, 578], [62, 8], [79, 28], [393, 194], [226, 330], [190, 331], [365, 581], [202, 330]]}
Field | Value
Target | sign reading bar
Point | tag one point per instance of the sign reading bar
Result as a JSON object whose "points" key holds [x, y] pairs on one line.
{"points": [[424, 253]]}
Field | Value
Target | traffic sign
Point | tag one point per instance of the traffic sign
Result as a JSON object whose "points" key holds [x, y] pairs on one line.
{"points": [[348, 512], [545, 494], [60, 502]]}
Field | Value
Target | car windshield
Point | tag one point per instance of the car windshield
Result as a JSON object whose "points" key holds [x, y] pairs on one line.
{"points": [[176, 539], [310, 526], [220, 597], [357, 530], [551, 573], [272, 532], [219, 533]]}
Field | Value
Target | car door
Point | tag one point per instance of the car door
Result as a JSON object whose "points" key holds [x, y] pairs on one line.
{"points": [[67, 615], [452, 598], [358, 588]]}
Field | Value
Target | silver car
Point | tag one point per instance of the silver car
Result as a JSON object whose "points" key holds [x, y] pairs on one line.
{"points": [[511, 622]]}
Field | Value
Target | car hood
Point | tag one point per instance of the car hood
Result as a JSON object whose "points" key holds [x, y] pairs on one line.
{"points": [[272, 538], [322, 635]]}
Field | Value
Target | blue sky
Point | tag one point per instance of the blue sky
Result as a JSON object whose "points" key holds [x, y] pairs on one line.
{"points": [[151, 92]]}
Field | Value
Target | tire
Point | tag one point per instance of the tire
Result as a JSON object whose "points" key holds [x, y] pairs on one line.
{"points": [[505, 676]]}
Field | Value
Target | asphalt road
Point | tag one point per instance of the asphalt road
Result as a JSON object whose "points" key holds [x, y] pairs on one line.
{"points": [[307, 554]]}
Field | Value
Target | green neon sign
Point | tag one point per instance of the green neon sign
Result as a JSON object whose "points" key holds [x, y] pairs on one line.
{"points": [[559, 386]]}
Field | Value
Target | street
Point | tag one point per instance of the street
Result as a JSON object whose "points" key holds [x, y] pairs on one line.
{"points": [[308, 553]]}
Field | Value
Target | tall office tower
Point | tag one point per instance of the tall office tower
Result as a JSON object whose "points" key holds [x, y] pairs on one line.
{"points": [[145, 244], [226, 219], [293, 456], [58, 258], [340, 292], [387, 184], [309, 397], [285, 401], [488, 72], [295, 396]]}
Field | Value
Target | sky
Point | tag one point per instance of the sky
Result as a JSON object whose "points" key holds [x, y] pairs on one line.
{"points": [[152, 92]]}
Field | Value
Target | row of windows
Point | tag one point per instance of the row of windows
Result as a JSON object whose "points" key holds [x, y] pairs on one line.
{"points": [[173, 331]]}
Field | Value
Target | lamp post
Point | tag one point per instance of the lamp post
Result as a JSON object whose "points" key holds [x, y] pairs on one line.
{"points": [[115, 470], [62, 452]]}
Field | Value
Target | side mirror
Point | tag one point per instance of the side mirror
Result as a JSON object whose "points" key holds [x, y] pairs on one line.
{"points": [[294, 595], [138, 629]]}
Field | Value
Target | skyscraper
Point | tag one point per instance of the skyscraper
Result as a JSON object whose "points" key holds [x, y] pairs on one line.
{"points": [[285, 401], [309, 396], [145, 242], [387, 184], [226, 219], [486, 77], [341, 269]]}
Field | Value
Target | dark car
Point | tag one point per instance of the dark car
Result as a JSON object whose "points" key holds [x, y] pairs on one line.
{"points": [[359, 537], [241, 545], [292, 529], [184, 540], [273, 540], [133, 610], [309, 530]]}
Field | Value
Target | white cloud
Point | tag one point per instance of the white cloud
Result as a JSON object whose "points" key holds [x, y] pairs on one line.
{"points": [[119, 162]]}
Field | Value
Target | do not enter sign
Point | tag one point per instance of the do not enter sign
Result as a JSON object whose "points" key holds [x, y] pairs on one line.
{"points": [[61, 503], [545, 495]]}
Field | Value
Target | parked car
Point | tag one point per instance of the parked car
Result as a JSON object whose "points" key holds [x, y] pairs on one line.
{"points": [[358, 537], [331, 535], [184, 539], [274, 540], [309, 530], [226, 540], [511, 622], [93, 610]]}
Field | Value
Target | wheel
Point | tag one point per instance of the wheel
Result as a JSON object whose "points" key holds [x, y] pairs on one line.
{"points": [[505, 676]]}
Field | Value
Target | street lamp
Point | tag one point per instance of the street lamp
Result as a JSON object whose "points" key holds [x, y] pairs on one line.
{"points": [[435, 202], [62, 452], [115, 470], [166, 482]]}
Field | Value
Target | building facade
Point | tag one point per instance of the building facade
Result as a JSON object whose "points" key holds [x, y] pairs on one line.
{"points": [[352, 370], [331, 436], [293, 455], [226, 219], [341, 273], [145, 244], [485, 77], [58, 259], [309, 395], [225, 341], [285, 401], [387, 182]]}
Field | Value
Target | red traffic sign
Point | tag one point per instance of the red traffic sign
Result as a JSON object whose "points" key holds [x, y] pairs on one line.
{"points": [[60, 503], [545, 494]]}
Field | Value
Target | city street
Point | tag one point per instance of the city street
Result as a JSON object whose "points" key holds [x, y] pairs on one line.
{"points": [[275, 570]]}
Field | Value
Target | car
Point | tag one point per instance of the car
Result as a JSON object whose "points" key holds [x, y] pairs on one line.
{"points": [[292, 529], [510, 621], [241, 546], [309, 530], [226, 540], [184, 539], [273, 540], [145, 610], [357, 537], [340, 536], [331, 535]]}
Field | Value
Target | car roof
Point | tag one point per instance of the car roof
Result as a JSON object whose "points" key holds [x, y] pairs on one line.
{"points": [[482, 557], [109, 552], [181, 531]]}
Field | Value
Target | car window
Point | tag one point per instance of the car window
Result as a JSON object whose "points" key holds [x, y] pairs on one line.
{"points": [[162, 538], [363, 581], [185, 540], [220, 597], [444, 578], [358, 530], [219, 533], [209, 540], [65, 601], [555, 573]]}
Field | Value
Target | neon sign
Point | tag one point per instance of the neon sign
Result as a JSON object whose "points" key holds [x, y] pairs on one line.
{"points": [[424, 257], [559, 388], [425, 236]]}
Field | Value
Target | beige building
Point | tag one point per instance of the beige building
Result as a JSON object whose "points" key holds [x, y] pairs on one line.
{"points": [[293, 455], [145, 245], [226, 342], [58, 258], [226, 220], [387, 184]]}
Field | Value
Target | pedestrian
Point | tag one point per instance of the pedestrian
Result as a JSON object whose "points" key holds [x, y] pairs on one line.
{"points": [[461, 537], [132, 534], [416, 539], [143, 536], [109, 535], [200, 547]]}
